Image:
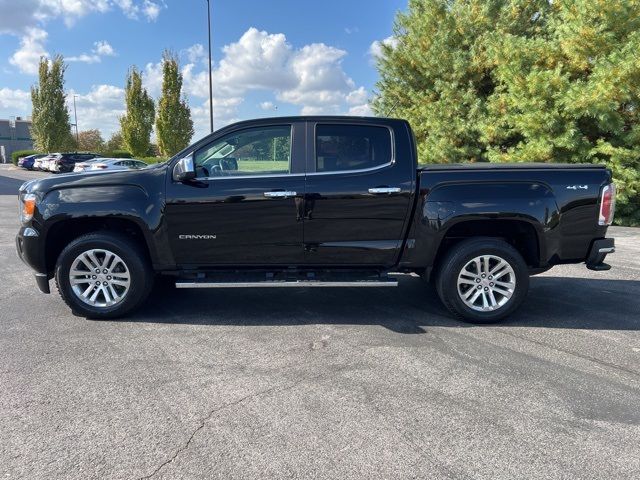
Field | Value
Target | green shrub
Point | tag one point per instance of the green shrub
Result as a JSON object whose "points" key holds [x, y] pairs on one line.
{"points": [[15, 156]]}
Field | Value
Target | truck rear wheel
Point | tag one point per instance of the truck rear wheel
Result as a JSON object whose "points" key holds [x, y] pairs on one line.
{"points": [[103, 275], [482, 280]]}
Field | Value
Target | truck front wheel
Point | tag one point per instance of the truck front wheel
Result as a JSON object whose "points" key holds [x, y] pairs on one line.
{"points": [[482, 280], [103, 275]]}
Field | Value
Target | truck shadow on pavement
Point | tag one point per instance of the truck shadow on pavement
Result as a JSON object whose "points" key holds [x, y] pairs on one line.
{"points": [[10, 186], [413, 307]]}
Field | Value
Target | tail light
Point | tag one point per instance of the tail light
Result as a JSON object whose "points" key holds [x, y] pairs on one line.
{"points": [[99, 166], [607, 204]]}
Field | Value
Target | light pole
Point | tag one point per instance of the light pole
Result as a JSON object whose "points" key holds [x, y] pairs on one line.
{"points": [[210, 81], [75, 116]]}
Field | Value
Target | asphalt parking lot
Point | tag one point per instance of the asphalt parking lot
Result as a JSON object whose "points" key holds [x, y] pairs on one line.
{"points": [[335, 383]]}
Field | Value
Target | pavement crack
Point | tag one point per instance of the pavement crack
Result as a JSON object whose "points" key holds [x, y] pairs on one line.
{"points": [[209, 416]]}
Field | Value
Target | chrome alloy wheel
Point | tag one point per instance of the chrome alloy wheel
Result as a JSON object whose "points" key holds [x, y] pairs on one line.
{"points": [[486, 283], [99, 278]]}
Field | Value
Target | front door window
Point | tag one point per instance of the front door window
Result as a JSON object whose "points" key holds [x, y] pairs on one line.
{"points": [[253, 151]]}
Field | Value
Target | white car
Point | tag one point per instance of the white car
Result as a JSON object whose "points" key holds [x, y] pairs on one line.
{"points": [[110, 164], [85, 165], [43, 162], [37, 163]]}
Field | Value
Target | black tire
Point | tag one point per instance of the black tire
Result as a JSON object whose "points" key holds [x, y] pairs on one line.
{"points": [[458, 257], [135, 259]]}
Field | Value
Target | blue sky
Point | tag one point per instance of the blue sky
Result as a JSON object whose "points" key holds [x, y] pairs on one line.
{"points": [[272, 57]]}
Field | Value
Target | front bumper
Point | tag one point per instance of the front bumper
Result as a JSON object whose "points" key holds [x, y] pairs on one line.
{"points": [[597, 253], [29, 251]]}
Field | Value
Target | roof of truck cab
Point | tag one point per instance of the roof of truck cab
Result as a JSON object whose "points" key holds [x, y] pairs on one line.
{"points": [[319, 118]]}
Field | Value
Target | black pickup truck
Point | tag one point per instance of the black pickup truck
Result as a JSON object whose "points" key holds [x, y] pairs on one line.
{"points": [[313, 202]]}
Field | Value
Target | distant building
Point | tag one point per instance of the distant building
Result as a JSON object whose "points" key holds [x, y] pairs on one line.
{"points": [[14, 135]]}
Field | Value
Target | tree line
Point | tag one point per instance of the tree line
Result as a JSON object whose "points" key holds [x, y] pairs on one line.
{"points": [[520, 81], [51, 126]]}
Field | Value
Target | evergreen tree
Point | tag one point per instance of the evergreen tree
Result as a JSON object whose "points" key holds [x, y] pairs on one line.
{"points": [[50, 128], [137, 123], [174, 126], [520, 80]]}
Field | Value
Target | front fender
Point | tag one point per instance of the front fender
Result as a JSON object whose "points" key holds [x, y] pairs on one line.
{"points": [[450, 204], [93, 201], [124, 202]]}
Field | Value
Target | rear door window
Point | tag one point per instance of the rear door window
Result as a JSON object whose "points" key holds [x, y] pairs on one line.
{"points": [[351, 147]]}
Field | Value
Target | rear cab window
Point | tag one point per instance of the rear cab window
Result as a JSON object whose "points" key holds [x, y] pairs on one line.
{"points": [[342, 147]]}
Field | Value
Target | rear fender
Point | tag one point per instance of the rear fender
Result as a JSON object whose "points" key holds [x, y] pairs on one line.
{"points": [[450, 204]]}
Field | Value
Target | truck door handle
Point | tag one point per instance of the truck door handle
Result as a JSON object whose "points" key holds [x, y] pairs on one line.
{"points": [[280, 194], [378, 190]]}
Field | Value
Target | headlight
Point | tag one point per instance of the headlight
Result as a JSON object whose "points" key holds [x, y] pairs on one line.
{"points": [[28, 207]]}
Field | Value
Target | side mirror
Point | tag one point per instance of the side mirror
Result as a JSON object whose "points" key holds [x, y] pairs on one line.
{"points": [[184, 170]]}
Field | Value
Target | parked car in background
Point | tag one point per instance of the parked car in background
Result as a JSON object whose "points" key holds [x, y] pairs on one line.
{"points": [[43, 162], [111, 164], [28, 161], [84, 166], [66, 162]]}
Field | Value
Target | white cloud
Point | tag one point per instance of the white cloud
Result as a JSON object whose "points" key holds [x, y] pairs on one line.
{"points": [[27, 57], [14, 102], [363, 110], [258, 60], [17, 16], [128, 8], [152, 78], [151, 10], [194, 52], [320, 81], [83, 58], [225, 112], [311, 77], [375, 49], [356, 97], [20, 15], [26, 18], [103, 48], [359, 103], [100, 108]]}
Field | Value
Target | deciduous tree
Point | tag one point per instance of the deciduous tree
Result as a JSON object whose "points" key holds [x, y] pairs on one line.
{"points": [[174, 126], [137, 123], [115, 142], [90, 141], [50, 128]]}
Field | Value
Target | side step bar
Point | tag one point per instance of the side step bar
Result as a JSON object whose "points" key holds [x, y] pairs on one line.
{"points": [[287, 283], [285, 279]]}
